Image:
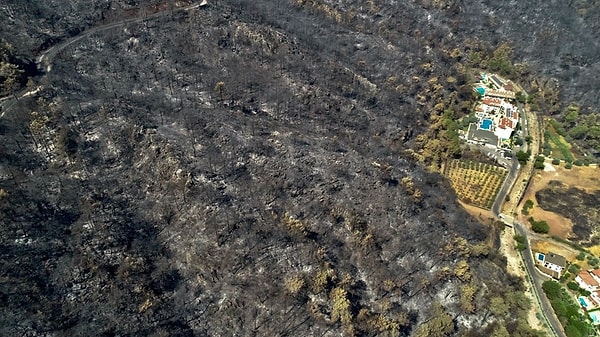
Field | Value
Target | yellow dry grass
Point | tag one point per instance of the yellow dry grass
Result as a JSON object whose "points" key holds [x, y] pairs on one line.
{"points": [[545, 247], [595, 250]]}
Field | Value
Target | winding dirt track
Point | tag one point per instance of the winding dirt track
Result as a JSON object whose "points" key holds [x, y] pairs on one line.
{"points": [[47, 56]]}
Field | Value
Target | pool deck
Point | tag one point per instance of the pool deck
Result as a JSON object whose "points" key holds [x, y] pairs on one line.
{"points": [[493, 112]]}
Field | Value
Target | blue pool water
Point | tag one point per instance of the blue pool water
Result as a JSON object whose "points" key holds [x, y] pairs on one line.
{"points": [[541, 257], [594, 317], [486, 124], [583, 302], [481, 90]]}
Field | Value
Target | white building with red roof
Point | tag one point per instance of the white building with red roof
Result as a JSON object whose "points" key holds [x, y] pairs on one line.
{"points": [[587, 280]]}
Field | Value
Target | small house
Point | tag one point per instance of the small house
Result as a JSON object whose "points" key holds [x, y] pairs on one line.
{"points": [[551, 264]]}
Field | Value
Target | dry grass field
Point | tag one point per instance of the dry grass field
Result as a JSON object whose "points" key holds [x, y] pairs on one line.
{"points": [[586, 178]]}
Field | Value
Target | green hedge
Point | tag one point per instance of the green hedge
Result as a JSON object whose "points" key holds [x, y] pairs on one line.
{"points": [[567, 310]]}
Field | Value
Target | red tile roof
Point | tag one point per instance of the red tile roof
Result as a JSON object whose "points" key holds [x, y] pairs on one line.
{"points": [[505, 123], [587, 278], [596, 272], [492, 101]]}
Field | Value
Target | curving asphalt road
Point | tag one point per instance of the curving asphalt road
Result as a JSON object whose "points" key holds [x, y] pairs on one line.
{"points": [[513, 173], [536, 278]]}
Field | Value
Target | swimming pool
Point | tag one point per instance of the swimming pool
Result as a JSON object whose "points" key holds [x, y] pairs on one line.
{"points": [[594, 315], [486, 124], [481, 90], [583, 302]]}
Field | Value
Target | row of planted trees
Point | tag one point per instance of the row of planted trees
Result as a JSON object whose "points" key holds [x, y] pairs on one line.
{"points": [[475, 183]]}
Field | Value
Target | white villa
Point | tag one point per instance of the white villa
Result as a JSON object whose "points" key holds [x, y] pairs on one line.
{"points": [[497, 116], [590, 281]]}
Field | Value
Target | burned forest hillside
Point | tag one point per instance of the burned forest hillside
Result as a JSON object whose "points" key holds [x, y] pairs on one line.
{"points": [[242, 168]]}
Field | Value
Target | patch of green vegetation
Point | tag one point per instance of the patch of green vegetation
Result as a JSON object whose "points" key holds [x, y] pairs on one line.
{"points": [[557, 127], [523, 157], [501, 60], [518, 141], [566, 276], [521, 97], [539, 162], [539, 226], [574, 286], [567, 311], [527, 207], [555, 140], [574, 268], [581, 128], [572, 244], [593, 261], [546, 147], [521, 242], [464, 122]]}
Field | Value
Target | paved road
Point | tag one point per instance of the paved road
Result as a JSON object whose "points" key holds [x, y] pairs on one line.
{"points": [[537, 279], [513, 173], [533, 274]]}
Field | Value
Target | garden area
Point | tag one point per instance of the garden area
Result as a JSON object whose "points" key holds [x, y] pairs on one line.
{"points": [[567, 310], [475, 183], [555, 144]]}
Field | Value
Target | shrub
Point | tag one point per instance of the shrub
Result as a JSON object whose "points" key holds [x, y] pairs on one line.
{"points": [[580, 256], [565, 277], [573, 286], [520, 238], [518, 141], [574, 268], [555, 161], [539, 162], [523, 157], [568, 166], [527, 207], [578, 162], [547, 150], [540, 226], [552, 289]]}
